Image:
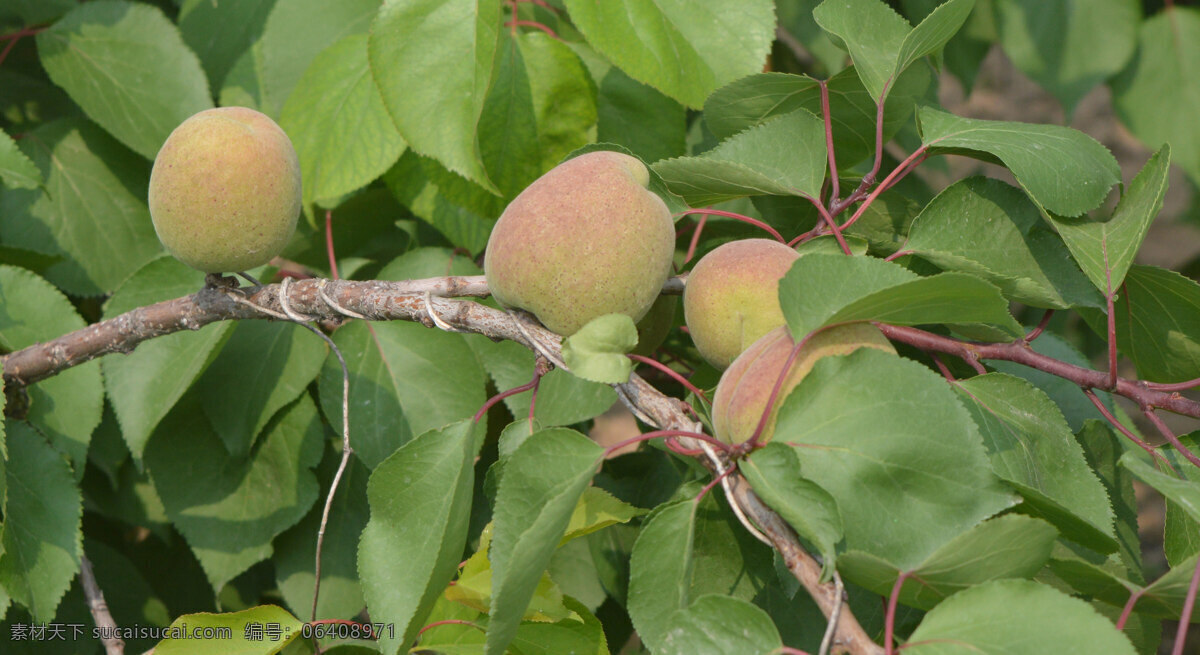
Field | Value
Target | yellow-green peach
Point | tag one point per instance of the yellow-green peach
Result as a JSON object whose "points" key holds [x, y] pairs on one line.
{"points": [[225, 190], [732, 297], [584, 240], [746, 386]]}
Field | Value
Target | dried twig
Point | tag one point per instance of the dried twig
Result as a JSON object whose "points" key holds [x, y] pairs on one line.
{"points": [[113, 644]]}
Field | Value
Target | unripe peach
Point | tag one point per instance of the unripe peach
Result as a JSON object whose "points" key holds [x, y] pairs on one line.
{"points": [[584, 240], [225, 190], [732, 297], [746, 385]]}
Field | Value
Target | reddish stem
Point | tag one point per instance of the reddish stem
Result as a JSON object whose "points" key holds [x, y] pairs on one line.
{"points": [[449, 622], [904, 173], [943, 368], [675, 447], [537, 382], [889, 621], [804, 237], [1108, 416], [1041, 326], [1112, 341], [787, 368], [662, 434], [832, 224], [715, 481], [1177, 386], [695, 240], [672, 374], [505, 394], [333, 270], [8, 48], [745, 219], [833, 170], [788, 650], [892, 177], [531, 23], [1128, 609], [541, 3], [24, 31], [1170, 436], [897, 255], [1185, 618]]}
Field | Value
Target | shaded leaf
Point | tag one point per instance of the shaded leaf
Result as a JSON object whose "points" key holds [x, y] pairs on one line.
{"points": [[720, 624], [238, 627], [992, 230], [103, 52], [16, 170]]}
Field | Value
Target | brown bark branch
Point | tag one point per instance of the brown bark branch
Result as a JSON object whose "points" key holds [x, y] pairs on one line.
{"points": [[113, 644]]}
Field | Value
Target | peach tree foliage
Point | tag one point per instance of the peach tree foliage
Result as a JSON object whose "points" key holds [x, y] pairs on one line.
{"points": [[986, 504]]}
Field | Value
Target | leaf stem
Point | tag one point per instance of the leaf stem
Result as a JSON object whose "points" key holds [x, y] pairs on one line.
{"points": [[1128, 609], [833, 169], [889, 622], [1041, 327], [662, 434], [745, 219], [674, 375], [1169, 435], [333, 269], [1185, 617], [1108, 416], [892, 177]]}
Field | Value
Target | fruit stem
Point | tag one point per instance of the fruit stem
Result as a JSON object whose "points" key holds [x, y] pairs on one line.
{"points": [[674, 375], [745, 219]]}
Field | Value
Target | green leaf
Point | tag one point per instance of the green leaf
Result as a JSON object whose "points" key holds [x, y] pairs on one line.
{"points": [[540, 108], [337, 121], [420, 509], [1064, 170], [1156, 92], [1049, 620], [1183, 492], [1158, 324], [1105, 249], [239, 630], [597, 351], [66, 407], [145, 384], [908, 451], [869, 289], [543, 481], [988, 228], [16, 170], [219, 32], [295, 32], [103, 52], [784, 155], [684, 50], [1067, 395], [474, 586], [262, 367], [92, 208], [750, 100], [1009, 546], [774, 474], [638, 117], [428, 196], [597, 509], [881, 42], [1032, 448], [295, 550], [872, 32], [660, 570], [456, 43], [1165, 597], [720, 624], [562, 398], [230, 508], [42, 523], [1055, 44]]}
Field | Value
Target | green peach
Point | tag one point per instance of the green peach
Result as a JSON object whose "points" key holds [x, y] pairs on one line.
{"points": [[225, 190], [732, 297], [745, 387], [584, 240]]}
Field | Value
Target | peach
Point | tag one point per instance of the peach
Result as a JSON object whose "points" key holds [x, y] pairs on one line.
{"points": [[225, 190], [745, 387], [732, 297], [585, 239]]}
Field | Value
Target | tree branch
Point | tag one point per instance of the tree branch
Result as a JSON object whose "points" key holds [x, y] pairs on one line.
{"points": [[113, 644]]}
